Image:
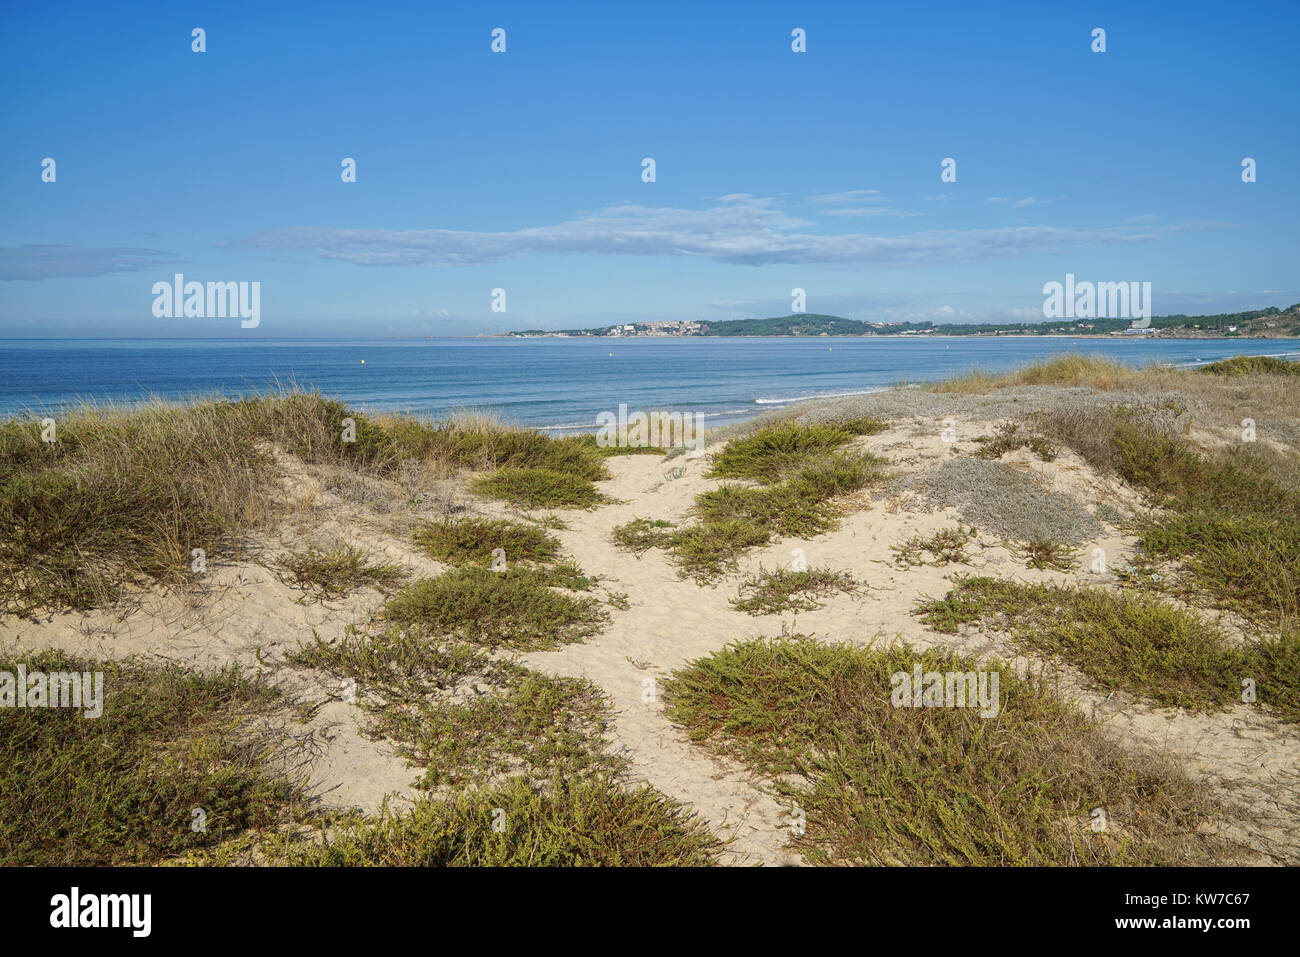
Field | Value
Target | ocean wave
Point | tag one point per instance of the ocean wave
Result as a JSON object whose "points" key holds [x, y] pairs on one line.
{"points": [[1192, 363], [593, 424], [823, 395]]}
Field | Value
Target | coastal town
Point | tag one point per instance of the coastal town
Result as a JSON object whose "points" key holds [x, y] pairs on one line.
{"points": [[1267, 323]]}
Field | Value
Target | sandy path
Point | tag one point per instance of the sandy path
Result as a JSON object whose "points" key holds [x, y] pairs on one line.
{"points": [[1250, 759], [244, 615], [669, 622]]}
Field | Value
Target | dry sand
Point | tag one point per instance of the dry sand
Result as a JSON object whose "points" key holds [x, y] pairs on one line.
{"points": [[242, 613]]}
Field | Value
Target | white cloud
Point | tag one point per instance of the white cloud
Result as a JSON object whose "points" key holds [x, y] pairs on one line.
{"points": [[35, 262], [938, 314], [1017, 203], [872, 211], [744, 230], [850, 204], [850, 196]]}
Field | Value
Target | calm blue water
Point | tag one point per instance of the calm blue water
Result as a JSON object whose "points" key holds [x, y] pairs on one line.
{"points": [[557, 383]]}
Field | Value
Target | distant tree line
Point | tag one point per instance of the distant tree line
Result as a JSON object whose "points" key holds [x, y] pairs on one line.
{"points": [[816, 324]]}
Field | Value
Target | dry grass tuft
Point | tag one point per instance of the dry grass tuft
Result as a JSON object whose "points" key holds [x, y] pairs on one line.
{"points": [[880, 784]]}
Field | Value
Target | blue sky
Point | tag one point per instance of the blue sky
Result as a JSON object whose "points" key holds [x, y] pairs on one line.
{"points": [[522, 171]]}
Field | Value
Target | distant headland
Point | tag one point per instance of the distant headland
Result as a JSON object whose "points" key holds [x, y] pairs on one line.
{"points": [[1268, 323]]}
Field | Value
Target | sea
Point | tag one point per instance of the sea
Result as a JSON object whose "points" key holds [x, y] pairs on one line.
{"points": [[556, 384]]}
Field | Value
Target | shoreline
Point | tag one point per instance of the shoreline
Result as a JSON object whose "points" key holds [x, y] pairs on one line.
{"points": [[502, 335], [735, 410], [629, 567]]}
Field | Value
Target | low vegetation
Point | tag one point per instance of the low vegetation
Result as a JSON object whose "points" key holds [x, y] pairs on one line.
{"points": [[120, 497], [401, 665], [945, 547], [539, 488], [642, 534], [594, 822], [779, 451], [534, 724], [521, 608], [1251, 365], [1046, 555], [332, 573], [472, 540], [175, 763], [733, 518], [1002, 499], [1228, 519], [879, 784], [800, 469], [1137, 643], [773, 592], [461, 716], [1008, 437], [1070, 369], [798, 472]]}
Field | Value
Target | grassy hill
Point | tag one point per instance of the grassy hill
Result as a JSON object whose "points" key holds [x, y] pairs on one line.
{"points": [[1270, 322]]}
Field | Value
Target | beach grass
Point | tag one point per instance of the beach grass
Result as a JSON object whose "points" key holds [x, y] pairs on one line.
{"points": [[872, 783], [946, 546], [177, 761], [1068, 369], [534, 488], [1138, 643], [474, 540], [593, 822], [1251, 365], [460, 715], [792, 499], [332, 573], [124, 496], [769, 455], [1228, 517], [784, 589], [1008, 437], [525, 609]]}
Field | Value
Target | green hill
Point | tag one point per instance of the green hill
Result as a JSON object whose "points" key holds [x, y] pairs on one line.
{"points": [[1271, 322]]}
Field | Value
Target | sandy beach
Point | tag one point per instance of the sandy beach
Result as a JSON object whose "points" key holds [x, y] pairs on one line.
{"points": [[242, 612]]}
